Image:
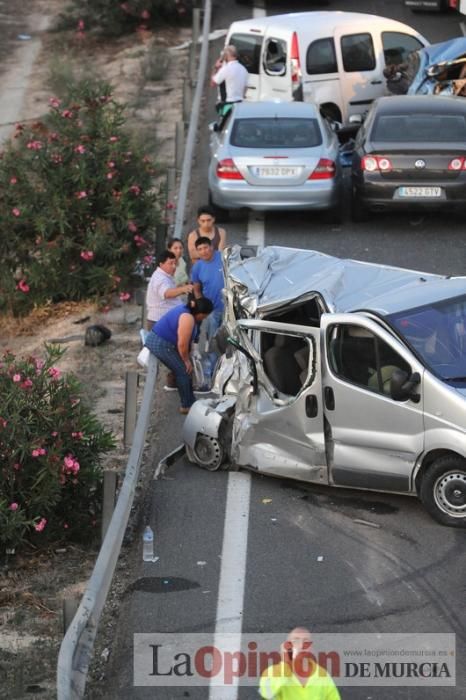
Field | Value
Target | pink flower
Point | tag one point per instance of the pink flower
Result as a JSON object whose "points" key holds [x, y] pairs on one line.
{"points": [[111, 164], [54, 102], [38, 527], [67, 114], [110, 176], [13, 506], [87, 255], [145, 14], [132, 227], [35, 453], [17, 466], [3, 423], [13, 180], [17, 378], [66, 526], [125, 296], [113, 139], [80, 149], [148, 259], [81, 195], [54, 372], [169, 205], [39, 363], [15, 211], [56, 158], [27, 384], [135, 189], [70, 465], [78, 435], [34, 145], [23, 286], [54, 433], [139, 240], [53, 136], [81, 25]]}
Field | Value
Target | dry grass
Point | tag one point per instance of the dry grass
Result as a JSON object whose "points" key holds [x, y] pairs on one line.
{"points": [[42, 316]]}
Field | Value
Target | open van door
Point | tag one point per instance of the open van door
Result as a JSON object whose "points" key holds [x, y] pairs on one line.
{"points": [[248, 43]]}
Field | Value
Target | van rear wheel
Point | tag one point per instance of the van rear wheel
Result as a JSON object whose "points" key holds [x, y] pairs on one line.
{"points": [[443, 491]]}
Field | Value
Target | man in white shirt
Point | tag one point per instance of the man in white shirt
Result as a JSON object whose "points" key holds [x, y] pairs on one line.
{"points": [[235, 76], [162, 292]]}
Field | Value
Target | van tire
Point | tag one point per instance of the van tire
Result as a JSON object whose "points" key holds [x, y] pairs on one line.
{"points": [[443, 490], [331, 111], [359, 212]]}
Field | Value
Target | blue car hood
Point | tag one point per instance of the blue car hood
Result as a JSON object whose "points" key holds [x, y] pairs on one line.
{"points": [[432, 55]]}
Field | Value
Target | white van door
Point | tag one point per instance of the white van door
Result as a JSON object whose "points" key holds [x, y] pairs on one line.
{"points": [[275, 79], [374, 440], [249, 47], [360, 58]]}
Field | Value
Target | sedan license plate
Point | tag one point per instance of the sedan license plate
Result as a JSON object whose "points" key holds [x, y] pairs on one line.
{"points": [[276, 171], [429, 192]]}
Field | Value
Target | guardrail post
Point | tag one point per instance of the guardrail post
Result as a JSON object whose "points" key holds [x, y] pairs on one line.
{"points": [[108, 500], [131, 390], [179, 145], [70, 606], [187, 100]]}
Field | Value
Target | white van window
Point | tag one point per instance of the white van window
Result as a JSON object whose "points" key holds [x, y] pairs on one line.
{"points": [[359, 357], [358, 52], [397, 46], [249, 50], [321, 58], [275, 57]]}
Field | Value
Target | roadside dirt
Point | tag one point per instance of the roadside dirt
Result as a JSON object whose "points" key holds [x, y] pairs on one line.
{"points": [[34, 584]]}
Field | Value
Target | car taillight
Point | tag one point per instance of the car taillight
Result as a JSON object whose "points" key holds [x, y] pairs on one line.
{"points": [[324, 170], [227, 170], [457, 163], [295, 63], [372, 163]]}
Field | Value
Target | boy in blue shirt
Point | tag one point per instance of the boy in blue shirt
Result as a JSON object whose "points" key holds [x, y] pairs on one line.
{"points": [[208, 281]]}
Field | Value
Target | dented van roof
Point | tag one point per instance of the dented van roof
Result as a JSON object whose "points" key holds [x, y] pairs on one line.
{"points": [[278, 276]]}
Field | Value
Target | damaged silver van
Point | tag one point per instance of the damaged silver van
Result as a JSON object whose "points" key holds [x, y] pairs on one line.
{"points": [[341, 373]]}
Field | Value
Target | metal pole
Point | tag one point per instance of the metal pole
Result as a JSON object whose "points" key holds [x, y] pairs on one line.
{"points": [[108, 501], [70, 606], [131, 391], [187, 100], [193, 45], [179, 145]]}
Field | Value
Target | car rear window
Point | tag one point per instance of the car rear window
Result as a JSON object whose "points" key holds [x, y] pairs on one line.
{"points": [[285, 132], [249, 50], [412, 128]]}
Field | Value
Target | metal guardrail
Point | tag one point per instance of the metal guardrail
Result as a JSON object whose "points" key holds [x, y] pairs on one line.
{"points": [[77, 646]]}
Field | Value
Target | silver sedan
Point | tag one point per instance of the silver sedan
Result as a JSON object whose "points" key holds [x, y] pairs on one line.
{"points": [[276, 155]]}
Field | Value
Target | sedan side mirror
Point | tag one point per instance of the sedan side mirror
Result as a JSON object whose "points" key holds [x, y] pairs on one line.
{"points": [[402, 386]]}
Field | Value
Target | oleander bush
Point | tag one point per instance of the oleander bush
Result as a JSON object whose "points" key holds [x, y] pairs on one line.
{"points": [[77, 204], [116, 18], [51, 447]]}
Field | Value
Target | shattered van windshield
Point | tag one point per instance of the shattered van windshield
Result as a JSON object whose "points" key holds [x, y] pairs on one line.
{"points": [[437, 332]]}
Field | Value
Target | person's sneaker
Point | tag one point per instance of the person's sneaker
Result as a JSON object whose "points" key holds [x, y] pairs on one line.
{"points": [[203, 390], [167, 387], [184, 410]]}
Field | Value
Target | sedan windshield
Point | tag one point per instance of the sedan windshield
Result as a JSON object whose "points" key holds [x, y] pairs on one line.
{"points": [[285, 132], [419, 128], [438, 335]]}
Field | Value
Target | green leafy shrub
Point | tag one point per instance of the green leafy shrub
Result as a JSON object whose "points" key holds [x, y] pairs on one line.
{"points": [[50, 453], [115, 18], [77, 205]]}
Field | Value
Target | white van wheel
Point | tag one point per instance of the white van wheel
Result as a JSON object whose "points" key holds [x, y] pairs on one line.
{"points": [[443, 491]]}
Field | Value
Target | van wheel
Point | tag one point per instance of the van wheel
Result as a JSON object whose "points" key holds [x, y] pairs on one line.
{"points": [[443, 491], [359, 213], [208, 452]]}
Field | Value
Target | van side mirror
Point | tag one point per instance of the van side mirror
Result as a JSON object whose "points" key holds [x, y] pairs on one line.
{"points": [[402, 386]]}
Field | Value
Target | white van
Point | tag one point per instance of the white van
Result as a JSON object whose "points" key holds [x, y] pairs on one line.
{"points": [[335, 59]]}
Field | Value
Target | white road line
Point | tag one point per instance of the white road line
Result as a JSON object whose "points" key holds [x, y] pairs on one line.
{"points": [[256, 229], [230, 602]]}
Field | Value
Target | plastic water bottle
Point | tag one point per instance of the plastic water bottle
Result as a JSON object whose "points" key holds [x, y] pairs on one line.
{"points": [[148, 544], [207, 372]]}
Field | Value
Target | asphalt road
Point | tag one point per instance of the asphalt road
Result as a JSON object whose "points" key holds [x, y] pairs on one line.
{"points": [[307, 561]]}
